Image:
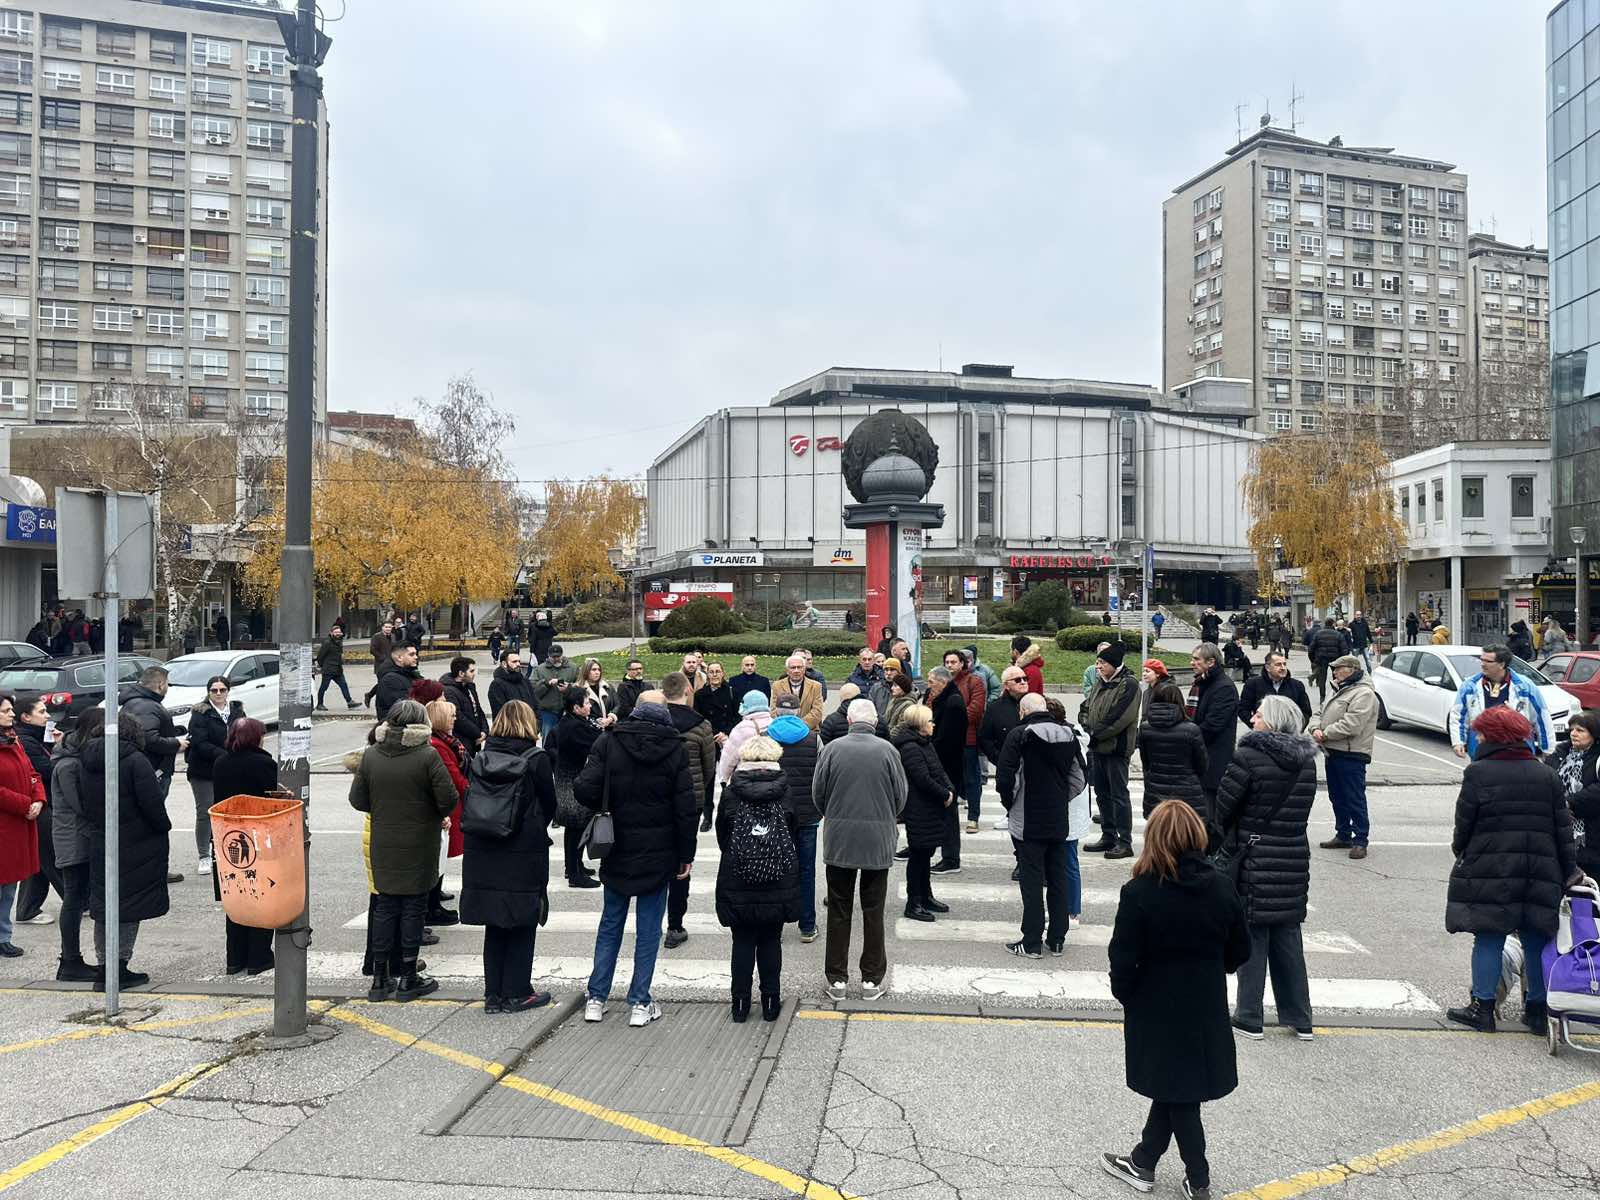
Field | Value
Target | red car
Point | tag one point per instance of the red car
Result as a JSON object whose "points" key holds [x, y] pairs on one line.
{"points": [[1577, 673]]}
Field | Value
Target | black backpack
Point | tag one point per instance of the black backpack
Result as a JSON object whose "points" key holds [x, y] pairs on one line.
{"points": [[761, 845], [494, 792]]}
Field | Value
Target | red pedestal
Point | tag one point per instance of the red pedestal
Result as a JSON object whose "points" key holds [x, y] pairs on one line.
{"points": [[880, 597]]}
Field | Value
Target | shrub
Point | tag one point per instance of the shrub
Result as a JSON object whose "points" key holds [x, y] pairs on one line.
{"points": [[822, 643], [1087, 637], [593, 615], [700, 618], [1045, 605]]}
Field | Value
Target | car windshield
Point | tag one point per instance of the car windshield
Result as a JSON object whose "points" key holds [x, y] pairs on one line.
{"points": [[25, 679], [1467, 665], [195, 672]]}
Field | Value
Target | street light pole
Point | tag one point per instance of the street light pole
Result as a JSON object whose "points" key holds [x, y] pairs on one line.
{"points": [[306, 49], [1580, 586]]}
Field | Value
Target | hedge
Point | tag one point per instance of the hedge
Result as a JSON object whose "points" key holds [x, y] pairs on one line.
{"points": [[821, 642], [1087, 637]]}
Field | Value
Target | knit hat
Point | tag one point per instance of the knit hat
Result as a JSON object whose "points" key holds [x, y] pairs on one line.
{"points": [[891, 665], [754, 701], [1113, 654], [650, 711], [1156, 665]]}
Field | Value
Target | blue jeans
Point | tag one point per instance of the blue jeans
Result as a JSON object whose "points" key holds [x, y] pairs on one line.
{"points": [[972, 780], [547, 722], [805, 845], [1347, 791], [1074, 881], [8, 893], [333, 677], [652, 907], [1486, 951]]}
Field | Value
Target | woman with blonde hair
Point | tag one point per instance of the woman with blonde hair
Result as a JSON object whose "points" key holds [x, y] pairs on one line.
{"points": [[602, 696], [1180, 931]]}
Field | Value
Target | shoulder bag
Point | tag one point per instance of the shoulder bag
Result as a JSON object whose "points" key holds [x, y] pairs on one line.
{"points": [[1229, 858], [600, 835]]}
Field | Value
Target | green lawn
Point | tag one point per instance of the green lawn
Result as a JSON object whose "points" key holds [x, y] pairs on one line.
{"points": [[1062, 668]]}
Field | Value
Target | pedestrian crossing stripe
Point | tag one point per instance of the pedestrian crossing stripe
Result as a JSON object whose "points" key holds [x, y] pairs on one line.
{"points": [[947, 929]]}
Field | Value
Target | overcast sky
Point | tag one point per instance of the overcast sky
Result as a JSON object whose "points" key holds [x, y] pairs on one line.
{"points": [[624, 216]]}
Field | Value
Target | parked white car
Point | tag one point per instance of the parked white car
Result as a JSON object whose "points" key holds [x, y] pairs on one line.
{"points": [[1417, 685], [252, 677]]}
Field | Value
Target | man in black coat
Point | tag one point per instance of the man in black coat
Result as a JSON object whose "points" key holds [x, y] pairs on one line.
{"points": [[1210, 626], [1361, 637], [949, 709], [461, 689], [1213, 704], [749, 679], [1002, 716], [510, 682], [1324, 645], [330, 661], [1273, 680], [628, 690], [162, 742], [1039, 770], [395, 680], [221, 629]]}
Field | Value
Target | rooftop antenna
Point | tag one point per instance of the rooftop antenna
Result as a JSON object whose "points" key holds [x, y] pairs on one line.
{"points": [[1295, 96], [1238, 122]]}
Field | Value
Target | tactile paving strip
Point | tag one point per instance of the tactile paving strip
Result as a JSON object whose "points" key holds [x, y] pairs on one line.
{"points": [[688, 1071]]}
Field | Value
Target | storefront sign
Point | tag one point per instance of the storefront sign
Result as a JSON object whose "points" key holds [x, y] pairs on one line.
{"points": [[999, 586], [799, 443], [969, 587], [1063, 562], [964, 616], [728, 558], [691, 586], [26, 523], [658, 604], [839, 556]]}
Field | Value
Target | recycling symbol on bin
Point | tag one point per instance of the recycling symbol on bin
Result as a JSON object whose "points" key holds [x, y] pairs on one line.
{"points": [[239, 848]]}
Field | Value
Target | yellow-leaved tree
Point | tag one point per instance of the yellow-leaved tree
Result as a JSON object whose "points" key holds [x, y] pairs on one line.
{"points": [[1325, 505], [582, 520]]}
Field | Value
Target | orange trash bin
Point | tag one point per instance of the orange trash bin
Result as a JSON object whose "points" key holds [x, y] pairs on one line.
{"points": [[258, 844]]}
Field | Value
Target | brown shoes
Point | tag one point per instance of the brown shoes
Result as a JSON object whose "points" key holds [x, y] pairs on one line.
{"points": [[1358, 852]]}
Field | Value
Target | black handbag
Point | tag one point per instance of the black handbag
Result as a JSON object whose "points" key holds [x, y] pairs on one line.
{"points": [[1230, 858], [600, 835]]}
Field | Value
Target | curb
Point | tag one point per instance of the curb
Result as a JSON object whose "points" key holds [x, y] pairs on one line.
{"points": [[444, 1120]]}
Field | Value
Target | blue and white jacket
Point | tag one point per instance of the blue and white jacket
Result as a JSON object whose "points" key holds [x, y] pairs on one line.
{"points": [[1522, 695]]}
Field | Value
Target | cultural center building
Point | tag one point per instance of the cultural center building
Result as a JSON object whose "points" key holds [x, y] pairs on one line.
{"points": [[1041, 479]]}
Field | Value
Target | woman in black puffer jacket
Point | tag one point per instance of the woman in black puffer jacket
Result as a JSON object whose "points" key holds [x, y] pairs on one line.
{"points": [[1263, 803], [1172, 751], [928, 796], [569, 743], [756, 801], [1515, 853], [1577, 765]]}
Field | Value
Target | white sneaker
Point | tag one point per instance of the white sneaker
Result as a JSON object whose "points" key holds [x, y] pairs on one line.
{"points": [[203, 867], [593, 1010], [837, 989], [1003, 823], [41, 918], [873, 991], [643, 1014]]}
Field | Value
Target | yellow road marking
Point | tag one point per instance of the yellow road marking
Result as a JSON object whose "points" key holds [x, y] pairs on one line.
{"points": [[149, 1102], [95, 1031], [799, 1185], [1370, 1164]]}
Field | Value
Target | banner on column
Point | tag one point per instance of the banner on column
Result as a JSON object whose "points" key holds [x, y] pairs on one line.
{"points": [[907, 591]]}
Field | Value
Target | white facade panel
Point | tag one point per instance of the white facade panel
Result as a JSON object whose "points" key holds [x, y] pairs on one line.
{"points": [[1191, 475], [1056, 476]]}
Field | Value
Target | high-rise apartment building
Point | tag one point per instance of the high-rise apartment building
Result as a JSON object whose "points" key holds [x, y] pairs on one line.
{"points": [[144, 209], [1332, 277], [1510, 290]]}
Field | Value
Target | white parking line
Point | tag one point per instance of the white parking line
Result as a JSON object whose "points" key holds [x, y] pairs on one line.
{"points": [[1458, 764]]}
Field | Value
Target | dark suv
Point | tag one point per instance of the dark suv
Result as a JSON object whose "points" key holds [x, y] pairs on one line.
{"points": [[68, 685]]}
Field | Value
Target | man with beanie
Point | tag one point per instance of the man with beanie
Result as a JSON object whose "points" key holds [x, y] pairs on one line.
{"points": [[700, 745], [1028, 657], [1345, 729], [1111, 718], [755, 713], [799, 764]]}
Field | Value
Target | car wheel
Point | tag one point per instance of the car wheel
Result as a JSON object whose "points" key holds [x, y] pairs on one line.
{"points": [[1384, 722]]}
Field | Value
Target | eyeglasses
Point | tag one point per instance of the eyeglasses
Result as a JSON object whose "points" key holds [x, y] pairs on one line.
{"points": [[217, 690]]}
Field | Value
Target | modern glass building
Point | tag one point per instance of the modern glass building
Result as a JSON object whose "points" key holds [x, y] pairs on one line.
{"points": [[1572, 149]]}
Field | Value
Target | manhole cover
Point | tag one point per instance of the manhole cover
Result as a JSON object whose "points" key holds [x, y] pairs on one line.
{"points": [[688, 1072]]}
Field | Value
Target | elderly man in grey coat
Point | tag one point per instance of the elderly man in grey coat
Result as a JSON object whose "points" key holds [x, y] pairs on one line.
{"points": [[860, 790]]}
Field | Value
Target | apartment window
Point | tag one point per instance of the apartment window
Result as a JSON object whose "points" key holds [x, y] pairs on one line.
{"points": [[1389, 313], [211, 285], [168, 87], [1418, 342], [265, 173], [1361, 222], [166, 47], [212, 168], [1336, 247], [1277, 241], [209, 364], [1335, 188], [1310, 243], [58, 34], [1337, 335], [163, 322], [1363, 312], [166, 164], [264, 135], [1450, 201], [108, 397], [55, 276], [1419, 314], [212, 52], [1276, 360], [1449, 317], [60, 156], [1449, 286], [1417, 255], [59, 114], [1364, 366], [1335, 303], [210, 326], [267, 289], [1311, 273], [113, 40], [261, 404], [269, 368], [164, 282], [1278, 420], [208, 246], [111, 197], [209, 206], [61, 236], [1389, 283], [1277, 179], [1472, 497], [167, 127], [263, 210], [1311, 362], [163, 360], [58, 356], [1335, 216], [202, 399], [16, 68], [16, 191], [1418, 284], [267, 60], [60, 193], [1307, 213], [168, 206], [1311, 333], [13, 273], [164, 243], [115, 80], [1309, 421], [113, 318], [111, 278], [1521, 496], [273, 97], [56, 396], [205, 89], [1277, 330], [1417, 227], [1449, 344], [267, 252], [1277, 210], [1449, 231], [1309, 183], [1361, 281], [1449, 258], [113, 239], [1278, 300], [211, 131], [114, 160], [113, 121], [1389, 193], [63, 76], [54, 315], [1336, 393]]}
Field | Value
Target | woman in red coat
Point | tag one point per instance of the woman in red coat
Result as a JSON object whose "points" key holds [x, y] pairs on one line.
{"points": [[21, 803], [442, 716]]}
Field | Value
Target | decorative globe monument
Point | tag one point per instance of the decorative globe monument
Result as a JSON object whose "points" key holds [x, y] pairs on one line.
{"points": [[889, 464]]}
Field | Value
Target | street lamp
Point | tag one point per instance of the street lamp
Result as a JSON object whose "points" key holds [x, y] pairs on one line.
{"points": [[1580, 585]]}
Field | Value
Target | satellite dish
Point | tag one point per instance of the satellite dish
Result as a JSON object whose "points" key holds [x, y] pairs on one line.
{"points": [[1266, 119]]}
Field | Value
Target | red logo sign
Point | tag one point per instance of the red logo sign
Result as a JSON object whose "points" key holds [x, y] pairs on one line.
{"points": [[799, 443], [1062, 561]]}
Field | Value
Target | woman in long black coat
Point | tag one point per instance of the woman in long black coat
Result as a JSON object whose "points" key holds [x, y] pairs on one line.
{"points": [[1172, 750], [949, 710], [505, 881], [928, 796], [244, 769], [569, 743], [1515, 853], [143, 828], [1180, 931]]}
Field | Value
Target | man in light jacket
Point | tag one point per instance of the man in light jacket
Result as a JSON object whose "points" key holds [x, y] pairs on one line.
{"points": [[1497, 684], [797, 682], [860, 790], [1344, 729]]}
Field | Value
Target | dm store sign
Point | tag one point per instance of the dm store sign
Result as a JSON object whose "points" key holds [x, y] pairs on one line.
{"points": [[25, 523]]}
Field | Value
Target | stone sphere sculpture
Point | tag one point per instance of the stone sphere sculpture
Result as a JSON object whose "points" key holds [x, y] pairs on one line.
{"points": [[889, 434]]}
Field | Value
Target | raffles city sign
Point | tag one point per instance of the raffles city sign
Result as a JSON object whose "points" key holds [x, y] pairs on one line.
{"points": [[1065, 562]]}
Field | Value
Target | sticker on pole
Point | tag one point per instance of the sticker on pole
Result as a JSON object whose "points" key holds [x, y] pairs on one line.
{"points": [[294, 673]]}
